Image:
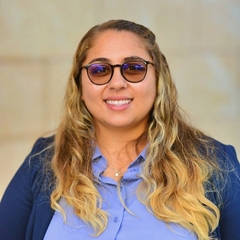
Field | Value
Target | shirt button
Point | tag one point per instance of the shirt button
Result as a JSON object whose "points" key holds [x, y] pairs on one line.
{"points": [[115, 219]]}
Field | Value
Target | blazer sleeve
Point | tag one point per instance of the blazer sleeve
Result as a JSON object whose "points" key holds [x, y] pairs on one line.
{"points": [[18, 199], [230, 210]]}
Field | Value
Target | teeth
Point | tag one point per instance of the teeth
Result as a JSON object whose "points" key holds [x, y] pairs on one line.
{"points": [[118, 102]]}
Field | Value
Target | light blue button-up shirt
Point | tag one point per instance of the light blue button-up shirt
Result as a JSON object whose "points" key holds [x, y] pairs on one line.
{"points": [[137, 224]]}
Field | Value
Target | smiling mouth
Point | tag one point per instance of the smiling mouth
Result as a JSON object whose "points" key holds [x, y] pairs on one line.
{"points": [[118, 102]]}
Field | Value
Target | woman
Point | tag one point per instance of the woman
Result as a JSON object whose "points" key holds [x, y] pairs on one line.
{"points": [[124, 164]]}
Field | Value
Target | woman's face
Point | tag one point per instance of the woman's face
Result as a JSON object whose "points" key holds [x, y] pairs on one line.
{"points": [[119, 105]]}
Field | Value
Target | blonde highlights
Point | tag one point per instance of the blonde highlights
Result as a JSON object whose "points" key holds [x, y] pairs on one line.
{"points": [[178, 163]]}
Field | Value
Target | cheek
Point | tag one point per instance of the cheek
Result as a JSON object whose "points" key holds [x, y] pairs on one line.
{"points": [[152, 95], [86, 89], [83, 95], [87, 99], [151, 90], [86, 95], [86, 86], [91, 94]]}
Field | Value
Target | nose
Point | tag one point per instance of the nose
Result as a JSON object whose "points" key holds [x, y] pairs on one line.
{"points": [[117, 81]]}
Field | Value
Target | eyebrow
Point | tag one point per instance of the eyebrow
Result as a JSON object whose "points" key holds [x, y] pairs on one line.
{"points": [[132, 58], [106, 60], [101, 59]]}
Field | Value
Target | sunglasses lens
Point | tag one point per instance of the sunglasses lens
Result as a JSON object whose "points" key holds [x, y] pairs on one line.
{"points": [[134, 71], [99, 73]]}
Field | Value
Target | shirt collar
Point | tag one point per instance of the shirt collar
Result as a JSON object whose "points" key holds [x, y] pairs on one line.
{"points": [[99, 163], [96, 153]]}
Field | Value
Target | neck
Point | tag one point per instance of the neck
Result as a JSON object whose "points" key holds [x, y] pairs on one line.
{"points": [[118, 139], [119, 147]]}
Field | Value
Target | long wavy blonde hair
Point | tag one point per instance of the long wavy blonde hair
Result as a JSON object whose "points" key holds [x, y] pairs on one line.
{"points": [[177, 166]]}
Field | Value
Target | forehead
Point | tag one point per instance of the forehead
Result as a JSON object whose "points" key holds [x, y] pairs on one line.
{"points": [[117, 45]]}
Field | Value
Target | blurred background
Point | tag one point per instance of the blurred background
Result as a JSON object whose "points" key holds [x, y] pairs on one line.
{"points": [[200, 39]]}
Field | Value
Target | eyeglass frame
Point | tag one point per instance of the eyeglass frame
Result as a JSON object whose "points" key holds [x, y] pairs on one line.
{"points": [[121, 71]]}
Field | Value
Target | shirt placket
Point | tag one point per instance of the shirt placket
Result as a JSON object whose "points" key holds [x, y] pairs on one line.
{"points": [[113, 205]]}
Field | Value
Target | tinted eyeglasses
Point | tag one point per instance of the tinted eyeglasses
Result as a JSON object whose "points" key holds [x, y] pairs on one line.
{"points": [[133, 71]]}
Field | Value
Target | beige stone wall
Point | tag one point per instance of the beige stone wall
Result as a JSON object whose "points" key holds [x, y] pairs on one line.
{"points": [[201, 40]]}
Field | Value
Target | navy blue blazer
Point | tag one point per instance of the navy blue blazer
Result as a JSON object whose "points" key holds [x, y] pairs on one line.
{"points": [[25, 211]]}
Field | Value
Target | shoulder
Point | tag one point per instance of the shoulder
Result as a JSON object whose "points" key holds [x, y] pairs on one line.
{"points": [[42, 145], [225, 155], [26, 201], [35, 172], [229, 182], [218, 151], [41, 153], [226, 176], [227, 197], [229, 191], [39, 159]]}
